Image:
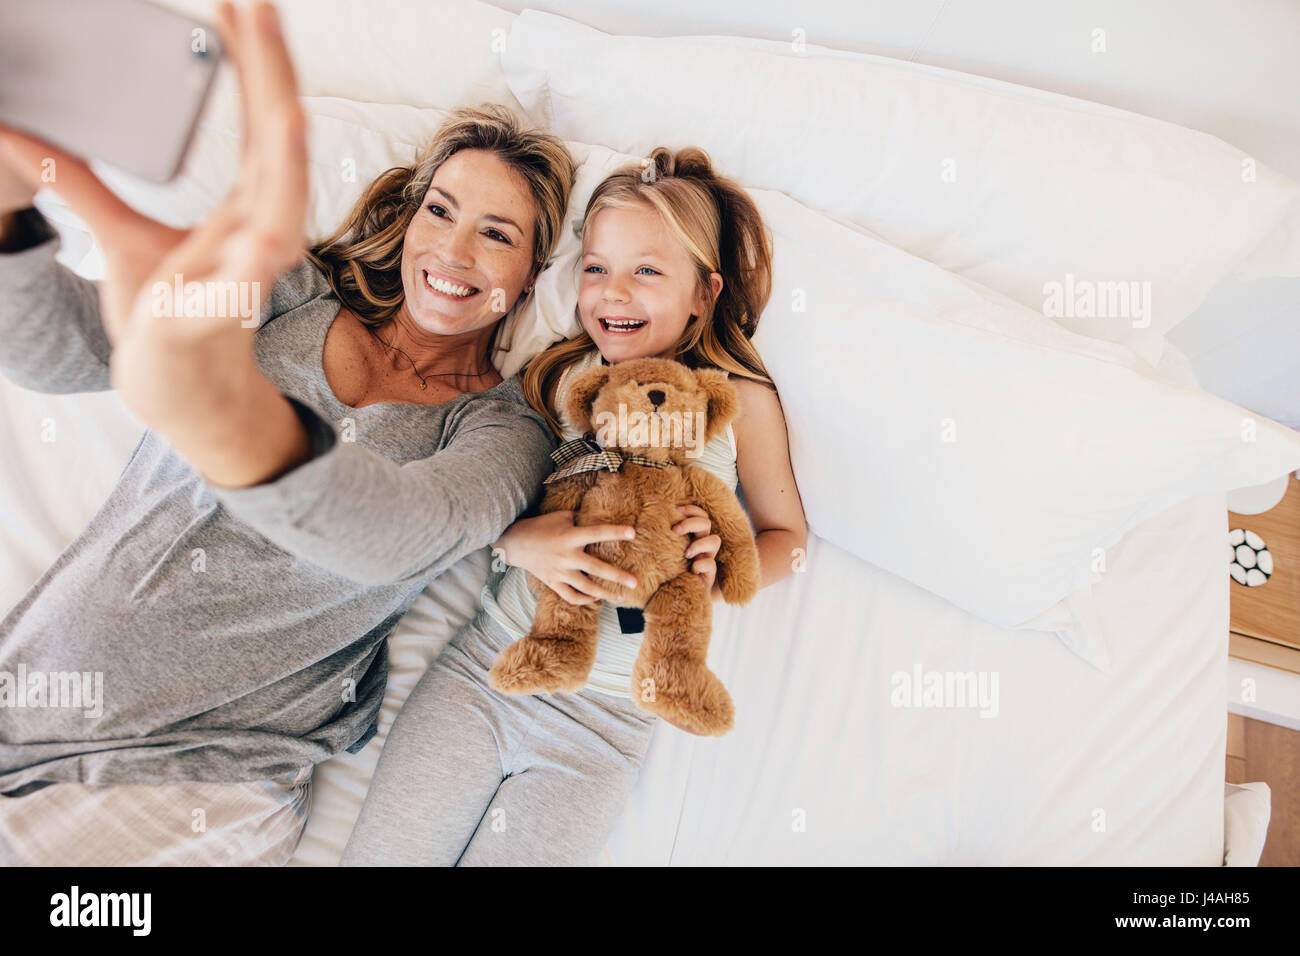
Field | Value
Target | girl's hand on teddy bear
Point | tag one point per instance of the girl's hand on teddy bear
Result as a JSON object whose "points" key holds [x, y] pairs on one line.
{"points": [[703, 547], [552, 548]]}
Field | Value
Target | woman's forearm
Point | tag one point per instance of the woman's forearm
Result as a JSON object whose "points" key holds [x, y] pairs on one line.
{"points": [[256, 438], [215, 407], [52, 336]]}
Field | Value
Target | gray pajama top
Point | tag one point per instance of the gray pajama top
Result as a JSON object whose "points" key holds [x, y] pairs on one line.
{"points": [[239, 634]]}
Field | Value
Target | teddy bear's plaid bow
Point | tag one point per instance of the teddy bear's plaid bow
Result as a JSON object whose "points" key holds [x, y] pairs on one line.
{"points": [[585, 454]]}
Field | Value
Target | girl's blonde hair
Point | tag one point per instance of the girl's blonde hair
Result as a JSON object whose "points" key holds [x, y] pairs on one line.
{"points": [[721, 228], [362, 260]]}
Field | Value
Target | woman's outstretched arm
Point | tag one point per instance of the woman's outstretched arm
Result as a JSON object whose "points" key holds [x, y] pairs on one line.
{"points": [[52, 339], [358, 514], [194, 378]]}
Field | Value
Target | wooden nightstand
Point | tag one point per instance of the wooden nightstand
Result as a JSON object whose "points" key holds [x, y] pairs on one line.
{"points": [[1265, 621], [1264, 629]]}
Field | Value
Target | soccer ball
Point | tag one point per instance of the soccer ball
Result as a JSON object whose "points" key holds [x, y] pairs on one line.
{"points": [[1249, 560]]}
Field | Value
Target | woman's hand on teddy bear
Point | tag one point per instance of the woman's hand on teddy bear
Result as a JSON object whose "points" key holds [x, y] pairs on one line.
{"points": [[552, 548], [704, 546]]}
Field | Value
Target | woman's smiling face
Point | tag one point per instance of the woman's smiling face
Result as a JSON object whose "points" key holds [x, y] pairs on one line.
{"points": [[638, 287], [469, 248]]}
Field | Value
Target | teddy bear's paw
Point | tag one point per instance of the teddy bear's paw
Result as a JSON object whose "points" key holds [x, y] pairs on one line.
{"points": [[738, 575], [686, 694], [542, 666], [738, 590]]}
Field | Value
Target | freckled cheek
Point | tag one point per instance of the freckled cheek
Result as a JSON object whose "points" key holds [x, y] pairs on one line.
{"points": [[418, 242], [411, 255], [505, 270]]}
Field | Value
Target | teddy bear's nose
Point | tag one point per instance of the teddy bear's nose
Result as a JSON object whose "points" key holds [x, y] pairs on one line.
{"points": [[656, 397]]}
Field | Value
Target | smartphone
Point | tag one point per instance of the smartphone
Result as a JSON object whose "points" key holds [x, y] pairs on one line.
{"points": [[121, 81]]}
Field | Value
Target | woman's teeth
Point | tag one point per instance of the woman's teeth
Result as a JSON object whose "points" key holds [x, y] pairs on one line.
{"points": [[621, 325], [449, 288]]}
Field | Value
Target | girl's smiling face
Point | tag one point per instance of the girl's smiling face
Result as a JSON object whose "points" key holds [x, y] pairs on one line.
{"points": [[638, 287]]}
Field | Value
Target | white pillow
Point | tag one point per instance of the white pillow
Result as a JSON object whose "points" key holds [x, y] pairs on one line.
{"points": [[441, 53], [951, 436], [1045, 188]]}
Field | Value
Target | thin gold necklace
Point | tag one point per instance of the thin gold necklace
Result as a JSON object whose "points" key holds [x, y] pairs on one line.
{"points": [[424, 381]]}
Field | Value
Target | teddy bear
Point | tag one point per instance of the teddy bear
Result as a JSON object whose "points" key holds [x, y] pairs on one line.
{"points": [[644, 420]]}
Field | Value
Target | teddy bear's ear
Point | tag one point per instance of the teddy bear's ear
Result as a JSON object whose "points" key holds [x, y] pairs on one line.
{"points": [[582, 392], [724, 404]]}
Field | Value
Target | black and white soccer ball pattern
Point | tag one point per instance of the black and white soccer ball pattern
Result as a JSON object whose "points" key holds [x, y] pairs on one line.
{"points": [[1249, 560]]}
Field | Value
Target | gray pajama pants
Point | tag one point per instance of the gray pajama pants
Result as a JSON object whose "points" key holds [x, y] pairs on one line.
{"points": [[472, 777]]}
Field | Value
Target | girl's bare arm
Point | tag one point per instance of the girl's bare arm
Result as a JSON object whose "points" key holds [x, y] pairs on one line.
{"points": [[767, 478]]}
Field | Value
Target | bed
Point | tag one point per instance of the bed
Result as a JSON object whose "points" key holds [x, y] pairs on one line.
{"points": [[885, 714], [1072, 767]]}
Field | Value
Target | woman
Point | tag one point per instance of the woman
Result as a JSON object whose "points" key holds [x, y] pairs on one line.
{"points": [[298, 486]]}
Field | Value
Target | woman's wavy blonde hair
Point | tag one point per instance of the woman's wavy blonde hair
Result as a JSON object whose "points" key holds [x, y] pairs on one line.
{"points": [[723, 231], [362, 260]]}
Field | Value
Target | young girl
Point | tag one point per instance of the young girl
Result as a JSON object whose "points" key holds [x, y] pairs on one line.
{"points": [[675, 264]]}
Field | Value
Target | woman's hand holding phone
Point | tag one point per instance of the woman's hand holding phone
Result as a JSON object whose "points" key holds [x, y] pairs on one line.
{"points": [[194, 377]]}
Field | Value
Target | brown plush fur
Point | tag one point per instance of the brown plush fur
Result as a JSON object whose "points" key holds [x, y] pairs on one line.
{"points": [[670, 677]]}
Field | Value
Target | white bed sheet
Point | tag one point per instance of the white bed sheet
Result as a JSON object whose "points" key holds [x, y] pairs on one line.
{"points": [[1078, 767]]}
